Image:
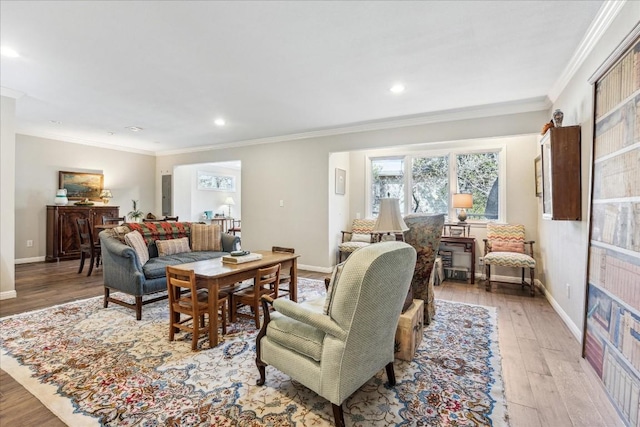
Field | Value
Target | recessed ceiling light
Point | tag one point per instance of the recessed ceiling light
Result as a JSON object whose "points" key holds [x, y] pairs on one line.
{"points": [[8, 52], [110, 133], [219, 122], [397, 88], [134, 128], [55, 122]]}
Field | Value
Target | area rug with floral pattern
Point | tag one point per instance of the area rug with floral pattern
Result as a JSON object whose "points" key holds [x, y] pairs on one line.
{"points": [[93, 366]]}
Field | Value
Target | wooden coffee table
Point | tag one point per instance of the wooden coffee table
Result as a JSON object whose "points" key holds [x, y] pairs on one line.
{"points": [[214, 275]]}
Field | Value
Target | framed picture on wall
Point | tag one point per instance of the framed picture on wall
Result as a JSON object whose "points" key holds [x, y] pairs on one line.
{"points": [[538, 175], [80, 185], [213, 181], [341, 181]]}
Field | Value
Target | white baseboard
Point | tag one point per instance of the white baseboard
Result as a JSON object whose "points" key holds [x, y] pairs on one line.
{"points": [[8, 295], [326, 270], [563, 315], [554, 304], [29, 260]]}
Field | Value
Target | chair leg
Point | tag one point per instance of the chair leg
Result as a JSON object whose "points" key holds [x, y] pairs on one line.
{"points": [[224, 318], [338, 415], [232, 308], [488, 273], [391, 376], [82, 255], [106, 297], [522, 280], [195, 333], [533, 289], [256, 317], [91, 260], [139, 307]]}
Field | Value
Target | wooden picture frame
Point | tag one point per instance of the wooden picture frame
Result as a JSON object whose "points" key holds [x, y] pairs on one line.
{"points": [[216, 182], [81, 185], [341, 181], [537, 167]]}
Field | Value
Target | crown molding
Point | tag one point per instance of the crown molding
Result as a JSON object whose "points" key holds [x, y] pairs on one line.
{"points": [[598, 27], [467, 113], [81, 141], [10, 93]]}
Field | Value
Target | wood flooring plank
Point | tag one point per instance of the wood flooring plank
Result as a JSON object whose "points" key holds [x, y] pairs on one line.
{"points": [[521, 323], [551, 407], [532, 356], [572, 385], [523, 416]]}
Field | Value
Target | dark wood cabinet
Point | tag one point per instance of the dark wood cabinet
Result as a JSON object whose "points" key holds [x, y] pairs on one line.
{"points": [[561, 182], [62, 240]]}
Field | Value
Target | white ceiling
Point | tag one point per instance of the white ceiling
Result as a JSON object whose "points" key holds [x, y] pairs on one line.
{"points": [[273, 68]]}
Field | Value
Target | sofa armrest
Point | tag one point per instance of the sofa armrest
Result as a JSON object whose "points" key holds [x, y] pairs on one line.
{"points": [[230, 242], [120, 266]]}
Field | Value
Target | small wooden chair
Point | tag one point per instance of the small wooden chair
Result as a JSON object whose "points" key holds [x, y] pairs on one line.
{"points": [[115, 220], [87, 246], [284, 287], [235, 227], [265, 283], [181, 286]]}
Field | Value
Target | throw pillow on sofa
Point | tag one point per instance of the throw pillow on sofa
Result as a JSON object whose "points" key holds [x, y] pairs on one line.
{"points": [[135, 240], [173, 246], [205, 237]]}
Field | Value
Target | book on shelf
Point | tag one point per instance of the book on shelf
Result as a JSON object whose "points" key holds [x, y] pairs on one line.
{"points": [[240, 259]]}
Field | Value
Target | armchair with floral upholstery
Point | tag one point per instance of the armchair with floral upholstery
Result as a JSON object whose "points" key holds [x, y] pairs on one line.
{"points": [[505, 246], [336, 344]]}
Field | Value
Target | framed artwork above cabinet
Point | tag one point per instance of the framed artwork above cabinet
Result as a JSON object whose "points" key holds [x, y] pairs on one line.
{"points": [[561, 181]]}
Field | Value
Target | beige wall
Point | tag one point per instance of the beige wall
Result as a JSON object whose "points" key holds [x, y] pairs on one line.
{"points": [[564, 243], [38, 161], [7, 202], [298, 172]]}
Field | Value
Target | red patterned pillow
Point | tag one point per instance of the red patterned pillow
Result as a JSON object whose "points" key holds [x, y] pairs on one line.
{"points": [[507, 247], [163, 230]]}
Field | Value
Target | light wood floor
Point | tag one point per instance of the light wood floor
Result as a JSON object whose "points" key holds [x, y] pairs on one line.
{"points": [[547, 383]]}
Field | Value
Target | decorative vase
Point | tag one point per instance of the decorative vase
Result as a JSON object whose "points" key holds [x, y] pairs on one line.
{"points": [[558, 115], [61, 197]]}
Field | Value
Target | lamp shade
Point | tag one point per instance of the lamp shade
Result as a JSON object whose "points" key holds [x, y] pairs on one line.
{"points": [[389, 219], [462, 200], [229, 201]]}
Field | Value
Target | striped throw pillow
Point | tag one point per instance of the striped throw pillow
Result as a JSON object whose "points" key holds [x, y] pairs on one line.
{"points": [[173, 246], [205, 237], [135, 240]]}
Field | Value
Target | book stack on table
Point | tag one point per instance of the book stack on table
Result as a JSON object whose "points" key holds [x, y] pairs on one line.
{"points": [[230, 259]]}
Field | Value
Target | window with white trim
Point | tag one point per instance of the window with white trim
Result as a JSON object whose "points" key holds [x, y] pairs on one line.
{"points": [[432, 178]]}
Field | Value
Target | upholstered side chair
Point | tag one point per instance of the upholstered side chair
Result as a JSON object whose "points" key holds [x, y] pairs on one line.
{"points": [[336, 344], [506, 246], [424, 235], [361, 235]]}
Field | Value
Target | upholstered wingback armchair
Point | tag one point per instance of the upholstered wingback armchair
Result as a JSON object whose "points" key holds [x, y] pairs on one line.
{"points": [[336, 344], [424, 235], [506, 246]]}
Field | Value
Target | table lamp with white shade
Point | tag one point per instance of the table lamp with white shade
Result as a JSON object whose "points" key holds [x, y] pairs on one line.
{"points": [[390, 219], [462, 201]]}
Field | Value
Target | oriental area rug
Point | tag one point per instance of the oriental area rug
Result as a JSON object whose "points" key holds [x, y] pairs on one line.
{"points": [[100, 367]]}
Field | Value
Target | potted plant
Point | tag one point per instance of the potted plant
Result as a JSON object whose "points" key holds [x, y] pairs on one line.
{"points": [[135, 214]]}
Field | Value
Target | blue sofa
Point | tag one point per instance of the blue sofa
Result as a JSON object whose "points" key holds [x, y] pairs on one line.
{"points": [[123, 271]]}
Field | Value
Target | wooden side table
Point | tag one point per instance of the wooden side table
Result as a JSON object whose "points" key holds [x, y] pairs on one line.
{"points": [[468, 244]]}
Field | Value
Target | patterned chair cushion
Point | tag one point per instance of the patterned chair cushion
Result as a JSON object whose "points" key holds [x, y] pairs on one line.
{"points": [[499, 246], [505, 232], [509, 259], [363, 226], [351, 246]]}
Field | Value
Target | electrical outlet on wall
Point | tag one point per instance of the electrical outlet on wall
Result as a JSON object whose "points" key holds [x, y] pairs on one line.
{"points": [[481, 261], [29, 243]]}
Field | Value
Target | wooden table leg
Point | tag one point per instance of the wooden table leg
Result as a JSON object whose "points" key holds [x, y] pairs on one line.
{"points": [[293, 285], [212, 288]]}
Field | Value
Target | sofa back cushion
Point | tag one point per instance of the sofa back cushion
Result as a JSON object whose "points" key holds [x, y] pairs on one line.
{"points": [[205, 237], [173, 246], [162, 230], [135, 240]]}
